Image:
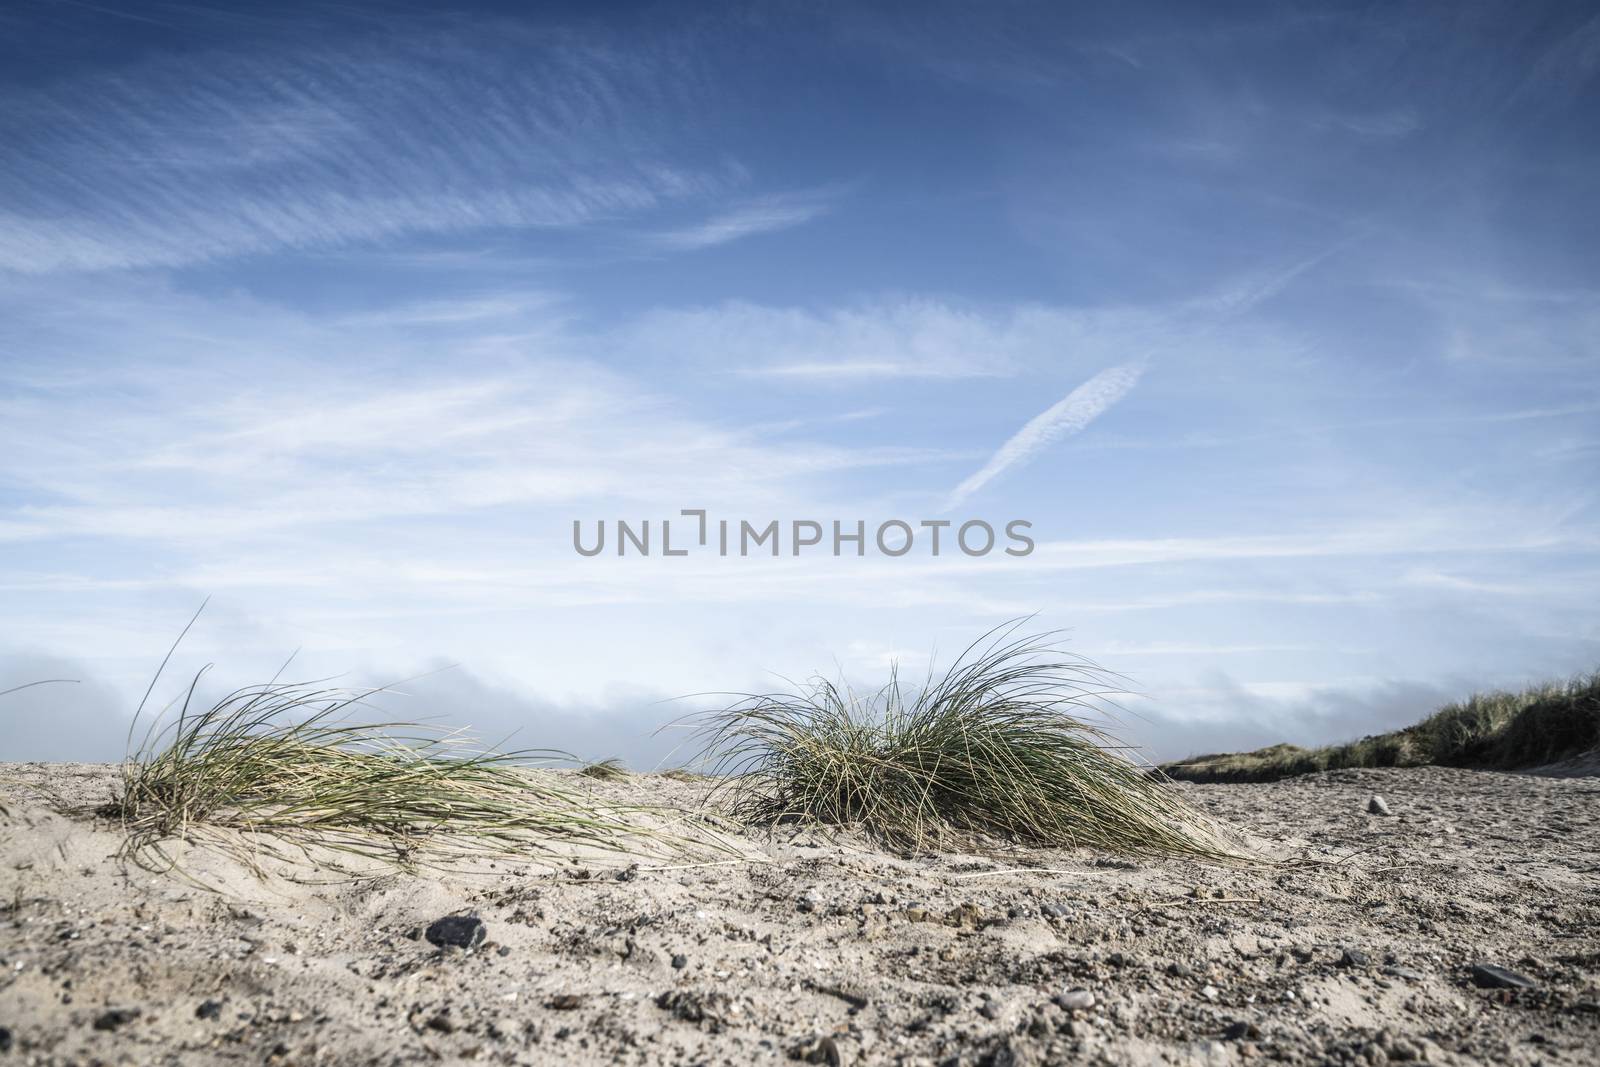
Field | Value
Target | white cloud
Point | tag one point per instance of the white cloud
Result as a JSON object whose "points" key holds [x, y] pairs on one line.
{"points": [[295, 422], [337, 488], [331, 448]]}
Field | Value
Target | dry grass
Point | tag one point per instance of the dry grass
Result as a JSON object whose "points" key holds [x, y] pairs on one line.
{"points": [[606, 770], [286, 764], [1001, 746]]}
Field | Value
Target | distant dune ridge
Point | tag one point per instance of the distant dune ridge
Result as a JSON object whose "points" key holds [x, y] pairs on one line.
{"points": [[1535, 727]]}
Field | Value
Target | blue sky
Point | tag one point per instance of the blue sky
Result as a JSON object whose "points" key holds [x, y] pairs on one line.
{"points": [[341, 314]]}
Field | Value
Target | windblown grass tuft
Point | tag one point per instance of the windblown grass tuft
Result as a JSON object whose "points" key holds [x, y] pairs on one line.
{"points": [[289, 764], [1000, 746]]}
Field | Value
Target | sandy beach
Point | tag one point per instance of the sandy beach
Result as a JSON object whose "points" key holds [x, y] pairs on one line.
{"points": [[1361, 949]]}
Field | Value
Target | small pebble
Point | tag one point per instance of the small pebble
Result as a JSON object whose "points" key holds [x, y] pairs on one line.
{"points": [[1488, 976], [456, 931], [1075, 1000], [116, 1017]]}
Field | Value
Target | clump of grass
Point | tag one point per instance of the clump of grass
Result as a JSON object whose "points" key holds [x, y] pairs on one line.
{"points": [[1538, 725], [606, 770], [288, 764], [1492, 731], [1001, 746]]}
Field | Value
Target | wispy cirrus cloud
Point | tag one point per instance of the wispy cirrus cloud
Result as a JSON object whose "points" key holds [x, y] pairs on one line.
{"points": [[889, 338], [765, 215], [911, 338], [197, 157], [1064, 418]]}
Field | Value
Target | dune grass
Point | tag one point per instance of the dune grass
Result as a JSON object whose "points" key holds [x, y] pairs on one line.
{"points": [[1492, 731], [606, 770], [1001, 747], [290, 765]]}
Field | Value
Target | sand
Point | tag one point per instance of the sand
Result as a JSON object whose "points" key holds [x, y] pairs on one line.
{"points": [[834, 951]]}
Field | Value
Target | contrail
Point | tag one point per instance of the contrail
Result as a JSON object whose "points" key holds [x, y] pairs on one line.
{"points": [[1062, 419], [1086, 403]]}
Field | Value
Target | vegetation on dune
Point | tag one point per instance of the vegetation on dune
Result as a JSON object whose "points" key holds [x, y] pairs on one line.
{"points": [[1491, 731], [606, 770], [1000, 746], [285, 763]]}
